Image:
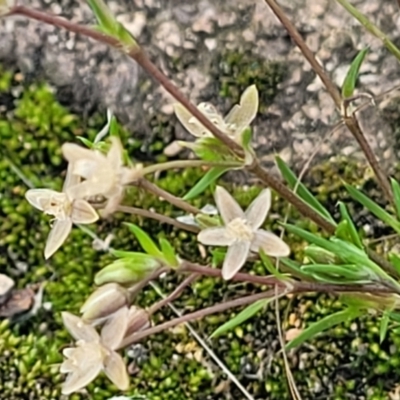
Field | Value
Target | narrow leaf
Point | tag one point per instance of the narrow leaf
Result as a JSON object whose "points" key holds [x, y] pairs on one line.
{"points": [[322, 325], [169, 253], [350, 80], [270, 266], [145, 240], [384, 325], [243, 316], [103, 15], [377, 210], [396, 196], [211, 176], [350, 227], [302, 191], [395, 260]]}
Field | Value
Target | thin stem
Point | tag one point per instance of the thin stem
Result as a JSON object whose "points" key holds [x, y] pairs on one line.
{"points": [[242, 301], [176, 201], [351, 122], [158, 217], [188, 164], [174, 295]]}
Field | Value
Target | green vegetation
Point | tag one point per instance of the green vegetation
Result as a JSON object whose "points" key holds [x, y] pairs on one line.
{"points": [[346, 360]]}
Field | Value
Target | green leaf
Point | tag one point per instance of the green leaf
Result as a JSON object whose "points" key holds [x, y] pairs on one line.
{"points": [[104, 16], [302, 191], [396, 196], [350, 80], [320, 256], [211, 176], [218, 257], [377, 210], [243, 316], [395, 260], [346, 273], [145, 240], [169, 253], [324, 324], [384, 325], [270, 266], [293, 266], [86, 142], [349, 227]]}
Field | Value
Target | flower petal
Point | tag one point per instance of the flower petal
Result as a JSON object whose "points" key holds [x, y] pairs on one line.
{"points": [[73, 153], [83, 213], [58, 233], [258, 209], [215, 237], [227, 205], [270, 243], [235, 259], [78, 329], [70, 179], [88, 362], [40, 198], [241, 116], [115, 369], [191, 124], [114, 329]]}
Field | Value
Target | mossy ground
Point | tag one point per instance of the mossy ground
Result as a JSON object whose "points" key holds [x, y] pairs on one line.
{"points": [[347, 362]]}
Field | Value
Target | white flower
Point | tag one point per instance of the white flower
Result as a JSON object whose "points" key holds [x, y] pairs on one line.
{"points": [[237, 120], [241, 232], [66, 211], [104, 175], [94, 353]]}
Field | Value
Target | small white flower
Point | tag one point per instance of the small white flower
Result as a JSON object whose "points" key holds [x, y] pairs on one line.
{"points": [[94, 353], [241, 232], [104, 175], [65, 209], [233, 124]]}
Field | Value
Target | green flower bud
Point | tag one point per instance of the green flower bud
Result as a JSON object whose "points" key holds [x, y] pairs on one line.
{"points": [[127, 271], [104, 301], [321, 256]]}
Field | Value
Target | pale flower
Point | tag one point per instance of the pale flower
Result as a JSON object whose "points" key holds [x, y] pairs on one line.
{"points": [[95, 353], [241, 232], [104, 175], [66, 211], [233, 124]]}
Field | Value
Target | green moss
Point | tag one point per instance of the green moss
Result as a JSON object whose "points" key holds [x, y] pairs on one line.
{"points": [[340, 363]]}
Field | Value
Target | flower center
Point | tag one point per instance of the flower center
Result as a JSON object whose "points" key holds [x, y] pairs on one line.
{"points": [[239, 229], [58, 205]]}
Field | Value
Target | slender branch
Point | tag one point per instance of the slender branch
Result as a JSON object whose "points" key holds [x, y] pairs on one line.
{"points": [[158, 217], [351, 121], [176, 201], [174, 295], [187, 164], [242, 301]]}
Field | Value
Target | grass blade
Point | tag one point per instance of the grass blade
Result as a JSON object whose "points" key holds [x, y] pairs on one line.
{"points": [[350, 80], [145, 240]]}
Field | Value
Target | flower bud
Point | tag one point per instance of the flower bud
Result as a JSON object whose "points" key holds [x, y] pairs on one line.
{"points": [[138, 320], [104, 301], [320, 255], [127, 271]]}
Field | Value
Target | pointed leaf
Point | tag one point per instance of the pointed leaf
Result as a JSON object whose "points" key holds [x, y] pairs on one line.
{"points": [[395, 260], [145, 240], [384, 325], [302, 191], [211, 176], [396, 196], [270, 266], [169, 253], [377, 210], [351, 231], [243, 316], [350, 80], [324, 324]]}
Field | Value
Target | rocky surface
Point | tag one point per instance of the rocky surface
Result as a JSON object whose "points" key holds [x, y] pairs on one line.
{"points": [[186, 39]]}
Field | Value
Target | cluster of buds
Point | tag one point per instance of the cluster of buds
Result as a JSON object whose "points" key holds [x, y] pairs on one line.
{"points": [[108, 309], [90, 174]]}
